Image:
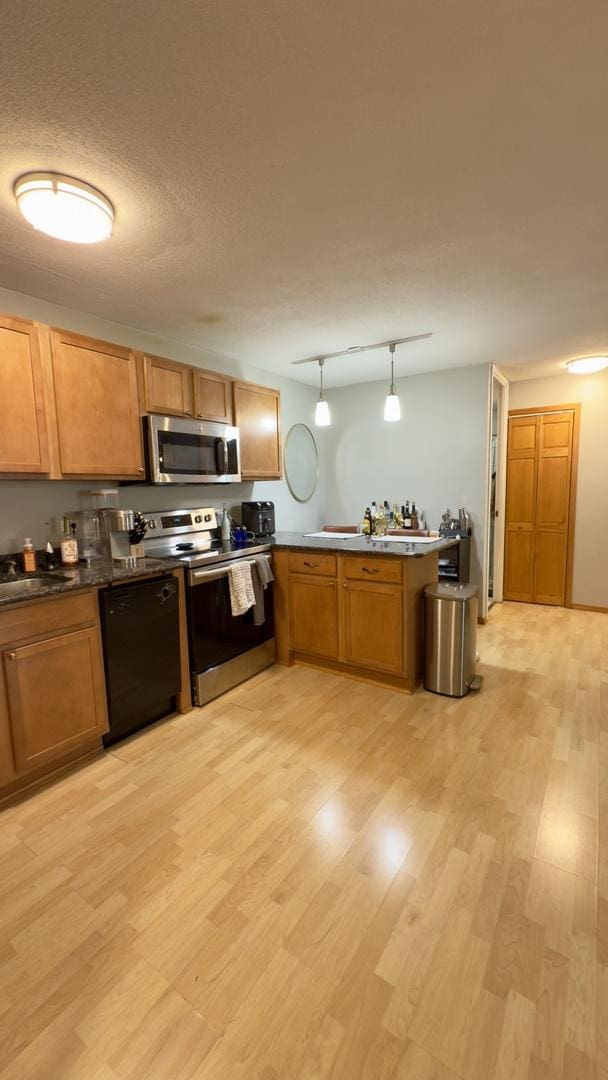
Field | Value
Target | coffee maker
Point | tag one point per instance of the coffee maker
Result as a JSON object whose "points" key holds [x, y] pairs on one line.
{"points": [[258, 517], [116, 527]]}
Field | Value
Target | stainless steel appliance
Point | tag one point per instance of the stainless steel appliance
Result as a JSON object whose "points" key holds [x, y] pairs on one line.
{"points": [[451, 631], [115, 527], [191, 451], [258, 517], [224, 649]]}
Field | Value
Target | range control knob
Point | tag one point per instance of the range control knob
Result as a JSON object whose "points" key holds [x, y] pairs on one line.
{"points": [[151, 523], [198, 519], [208, 517]]}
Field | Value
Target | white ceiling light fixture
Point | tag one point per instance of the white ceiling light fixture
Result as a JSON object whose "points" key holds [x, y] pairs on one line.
{"points": [[322, 414], [64, 207], [587, 365], [392, 407]]}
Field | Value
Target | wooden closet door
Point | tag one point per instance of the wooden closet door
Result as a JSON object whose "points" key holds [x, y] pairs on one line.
{"points": [[522, 475], [552, 506]]}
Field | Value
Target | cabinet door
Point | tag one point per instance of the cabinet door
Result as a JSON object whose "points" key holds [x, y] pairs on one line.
{"points": [[98, 420], [256, 414], [313, 615], [23, 431], [167, 387], [212, 396], [56, 697], [373, 626]]}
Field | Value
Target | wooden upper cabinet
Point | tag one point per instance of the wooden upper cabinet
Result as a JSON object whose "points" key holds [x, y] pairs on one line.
{"points": [[56, 697], [212, 396], [167, 386], [23, 425], [98, 421], [257, 415]]}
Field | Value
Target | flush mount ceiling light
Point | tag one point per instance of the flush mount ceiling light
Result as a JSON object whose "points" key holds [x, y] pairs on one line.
{"points": [[586, 365], [322, 414], [392, 408], [64, 207]]}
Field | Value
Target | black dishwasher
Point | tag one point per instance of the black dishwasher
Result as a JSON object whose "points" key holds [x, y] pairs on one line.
{"points": [[140, 628]]}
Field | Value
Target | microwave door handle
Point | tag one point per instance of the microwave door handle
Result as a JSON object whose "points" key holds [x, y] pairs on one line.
{"points": [[221, 460]]}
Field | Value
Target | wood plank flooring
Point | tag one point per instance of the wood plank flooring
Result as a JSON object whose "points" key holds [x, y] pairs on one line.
{"points": [[315, 878]]}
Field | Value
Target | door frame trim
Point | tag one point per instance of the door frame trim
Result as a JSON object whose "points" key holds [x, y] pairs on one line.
{"points": [[575, 408]]}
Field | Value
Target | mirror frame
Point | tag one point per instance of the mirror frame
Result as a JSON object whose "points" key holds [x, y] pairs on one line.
{"points": [[316, 478]]}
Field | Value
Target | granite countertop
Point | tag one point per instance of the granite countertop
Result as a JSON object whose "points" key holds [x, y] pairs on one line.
{"points": [[359, 544], [102, 572]]}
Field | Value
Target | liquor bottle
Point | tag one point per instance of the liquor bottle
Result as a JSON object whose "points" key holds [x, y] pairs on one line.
{"points": [[414, 515], [407, 517], [372, 517], [367, 522]]}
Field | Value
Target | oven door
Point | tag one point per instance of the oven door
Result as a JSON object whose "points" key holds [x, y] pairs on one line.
{"points": [[192, 451], [217, 636]]}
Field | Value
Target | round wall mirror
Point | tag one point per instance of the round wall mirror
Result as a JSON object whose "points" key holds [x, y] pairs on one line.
{"points": [[301, 462]]}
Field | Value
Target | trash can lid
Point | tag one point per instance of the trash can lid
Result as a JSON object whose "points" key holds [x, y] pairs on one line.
{"points": [[447, 590]]}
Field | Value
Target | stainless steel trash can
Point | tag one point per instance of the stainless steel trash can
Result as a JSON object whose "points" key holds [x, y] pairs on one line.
{"points": [[451, 635]]}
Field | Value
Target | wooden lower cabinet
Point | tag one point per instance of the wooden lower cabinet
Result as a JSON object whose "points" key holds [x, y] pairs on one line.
{"points": [[52, 686], [362, 616], [313, 615], [373, 626]]}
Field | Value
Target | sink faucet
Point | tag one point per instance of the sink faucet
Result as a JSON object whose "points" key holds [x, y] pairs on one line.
{"points": [[11, 565]]}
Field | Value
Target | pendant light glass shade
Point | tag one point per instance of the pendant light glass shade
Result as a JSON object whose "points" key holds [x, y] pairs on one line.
{"points": [[392, 406], [322, 414]]}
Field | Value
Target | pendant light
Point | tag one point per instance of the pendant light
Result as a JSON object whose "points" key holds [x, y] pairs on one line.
{"points": [[392, 408], [322, 415]]}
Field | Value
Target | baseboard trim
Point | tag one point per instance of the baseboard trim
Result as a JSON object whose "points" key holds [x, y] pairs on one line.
{"points": [[590, 607]]}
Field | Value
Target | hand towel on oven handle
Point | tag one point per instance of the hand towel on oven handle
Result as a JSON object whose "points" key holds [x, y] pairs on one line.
{"points": [[241, 588], [262, 574]]}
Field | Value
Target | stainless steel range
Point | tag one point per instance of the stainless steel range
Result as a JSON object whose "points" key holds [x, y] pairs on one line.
{"points": [[225, 649]]}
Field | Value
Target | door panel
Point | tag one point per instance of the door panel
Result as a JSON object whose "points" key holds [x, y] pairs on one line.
{"points": [[373, 626], [313, 615], [521, 490], [519, 563], [553, 491], [56, 696], [556, 433], [550, 566], [257, 415], [23, 431], [523, 435]]}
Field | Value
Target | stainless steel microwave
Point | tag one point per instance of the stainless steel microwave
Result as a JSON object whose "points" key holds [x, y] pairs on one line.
{"points": [[191, 451]]}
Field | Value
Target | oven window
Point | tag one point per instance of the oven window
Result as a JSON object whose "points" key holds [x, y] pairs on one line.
{"points": [[215, 634], [191, 454]]}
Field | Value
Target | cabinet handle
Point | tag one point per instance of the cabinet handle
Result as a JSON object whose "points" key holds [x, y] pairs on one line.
{"points": [[345, 586], [370, 569], [12, 655], [140, 470], [310, 563], [332, 584]]}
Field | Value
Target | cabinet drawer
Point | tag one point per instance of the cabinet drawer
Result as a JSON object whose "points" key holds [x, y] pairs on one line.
{"points": [[51, 615], [313, 562], [372, 568]]}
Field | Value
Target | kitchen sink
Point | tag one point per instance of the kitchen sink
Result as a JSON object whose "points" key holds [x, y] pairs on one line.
{"points": [[30, 585]]}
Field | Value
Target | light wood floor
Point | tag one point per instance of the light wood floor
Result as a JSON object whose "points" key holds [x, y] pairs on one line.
{"points": [[316, 878]]}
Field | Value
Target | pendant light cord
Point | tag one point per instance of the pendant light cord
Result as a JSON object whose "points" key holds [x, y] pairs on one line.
{"points": [[321, 362], [392, 352]]}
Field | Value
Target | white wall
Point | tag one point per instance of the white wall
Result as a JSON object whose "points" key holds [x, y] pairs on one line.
{"points": [[437, 454], [589, 582], [25, 505]]}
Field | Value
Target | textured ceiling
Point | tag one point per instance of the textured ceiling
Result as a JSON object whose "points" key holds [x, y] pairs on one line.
{"points": [[298, 176]]}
